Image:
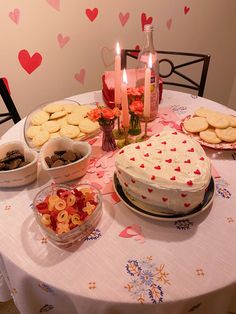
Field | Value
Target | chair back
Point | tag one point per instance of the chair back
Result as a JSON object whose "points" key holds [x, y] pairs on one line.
{"points": [[12, 112], [179, 71]]}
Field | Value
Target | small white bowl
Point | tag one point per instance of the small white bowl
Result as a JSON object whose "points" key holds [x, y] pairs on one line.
{"points": [[20, 176], [71, 171]]}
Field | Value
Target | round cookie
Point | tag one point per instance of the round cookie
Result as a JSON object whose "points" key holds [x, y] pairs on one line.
{"points": [[195, 124], [202, 112], [32, 130], [39, 118], [70, 131], [218, 121], [69, 107], [62, 121], [58, 114], [232, 120], [227, 135], [40, 138], [88, 126], [209, 136], [54, 135], [51, 126], [53, 107], [83, 109], [75, 118]]}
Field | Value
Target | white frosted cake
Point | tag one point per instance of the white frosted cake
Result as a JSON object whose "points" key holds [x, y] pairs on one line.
{"points": [[169, 172]]}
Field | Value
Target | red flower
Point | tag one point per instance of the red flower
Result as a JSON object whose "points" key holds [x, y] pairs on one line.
{"points": [[136, 107], [103, 114]]}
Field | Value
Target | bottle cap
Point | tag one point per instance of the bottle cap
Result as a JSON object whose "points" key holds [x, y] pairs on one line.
{"points": [[148, 27]]}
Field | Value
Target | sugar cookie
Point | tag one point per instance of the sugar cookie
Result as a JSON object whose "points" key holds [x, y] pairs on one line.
{"points": [[79, 137], [58, 114], [51, 126], [202, 112], [70, 131], [33, 130], [88, 126], [69, 107], [56, 134], [75, 118], [40, 138], [83, 110], [39, 118], [218, 121], [209, 136], [227, 135], [232, 120], [53, 107], [195, 124], [62, 121]]}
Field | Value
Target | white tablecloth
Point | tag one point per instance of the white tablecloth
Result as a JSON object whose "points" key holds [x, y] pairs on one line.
{"points": [[130, 264]]}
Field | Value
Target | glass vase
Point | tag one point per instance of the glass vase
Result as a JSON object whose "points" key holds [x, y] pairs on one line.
{"points": [[108, 140], [135, 125]]}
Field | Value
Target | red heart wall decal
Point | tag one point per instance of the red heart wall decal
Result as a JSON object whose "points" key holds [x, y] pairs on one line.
{"points": [[186, 9], [80, 76], [92, 14], [145, 20], [28, 63], [123, 18]]}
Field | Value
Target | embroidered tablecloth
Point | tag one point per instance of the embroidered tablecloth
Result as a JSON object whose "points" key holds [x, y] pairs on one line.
{"points": [[130, 263]]}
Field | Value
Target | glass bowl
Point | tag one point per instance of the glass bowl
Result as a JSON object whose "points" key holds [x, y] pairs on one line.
{"points": [[59, 220]]}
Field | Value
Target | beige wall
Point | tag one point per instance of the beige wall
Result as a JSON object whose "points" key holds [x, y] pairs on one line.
{"points": [[208, 27]]}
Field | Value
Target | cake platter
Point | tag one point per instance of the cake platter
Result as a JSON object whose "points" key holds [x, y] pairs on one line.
{"points": [[147, 211], [222, 145]]}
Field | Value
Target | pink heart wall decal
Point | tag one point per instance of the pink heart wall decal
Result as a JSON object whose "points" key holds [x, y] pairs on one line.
{"points": [[186, 9], [15, 15], [145, 20], [107, 56], [124, 18], [28, 63], [92, 14], [80, 76], [55, 4], [169, 23], [62, 40]]}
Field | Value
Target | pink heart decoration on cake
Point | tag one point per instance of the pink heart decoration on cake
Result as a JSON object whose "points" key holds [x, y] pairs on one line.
{"points": [[123, 18], [159, 152], [183, 195], [174, 133], [164, 199], [197, 172], [186, 10], [144, 197], [153, 177], [107, 55], [169, 160], [191, 150], [164, 143], [177, 169], [202, 158], [121, 152], [173, 149], [173, 178], [92, 14], [133, 159], [157, 135], [149, 145], [169, 23], [137, 147], [146, 155], [190, 183], [132, 180], [126, 184], [62, 40], [184, 142], [188, 161], [15, 15], [145, 20], [28, 63], [80, 76], [150, 190], [186, 204], [55, 4], [141, 166], [157, 167]]}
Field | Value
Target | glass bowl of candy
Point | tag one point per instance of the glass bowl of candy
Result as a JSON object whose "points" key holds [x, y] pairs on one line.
{"points": [[68, 214]]}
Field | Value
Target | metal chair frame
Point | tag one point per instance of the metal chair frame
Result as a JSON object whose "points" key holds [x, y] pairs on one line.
{"points": [[12, 111], [198, 86]]}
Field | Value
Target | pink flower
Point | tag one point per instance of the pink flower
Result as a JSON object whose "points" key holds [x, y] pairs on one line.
{"points": [[94, 114], [103, 114], [108, 113], [136, 107]]}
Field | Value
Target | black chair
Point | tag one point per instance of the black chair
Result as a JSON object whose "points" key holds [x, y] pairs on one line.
{"points": [[175, 64], [12, 112]]}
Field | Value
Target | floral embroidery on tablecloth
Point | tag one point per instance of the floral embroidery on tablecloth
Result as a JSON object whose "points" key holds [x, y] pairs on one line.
{"points": [[184, 224], [7, 207], [46, 287], [222, 188], [92, 285], [46, 308], [146, 280], [179, 109], [94, 235]]}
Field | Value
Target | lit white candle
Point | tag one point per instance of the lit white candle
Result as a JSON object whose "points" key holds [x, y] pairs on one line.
{"points": [[117, 76], [124, 101], [147, 89]]}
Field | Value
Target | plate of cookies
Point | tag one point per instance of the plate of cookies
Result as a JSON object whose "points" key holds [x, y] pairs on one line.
{"points": [[62, 118], [211, 128]]}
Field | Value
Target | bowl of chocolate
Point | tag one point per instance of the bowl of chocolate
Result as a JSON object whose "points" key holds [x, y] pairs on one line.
{"points": [[64, 159], [18, 164]]}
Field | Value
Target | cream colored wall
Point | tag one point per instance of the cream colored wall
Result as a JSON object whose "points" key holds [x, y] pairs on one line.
{"points": [[208, 26]]}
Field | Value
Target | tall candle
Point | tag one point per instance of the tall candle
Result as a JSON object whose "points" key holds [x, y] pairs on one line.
{"points": [[124, 101], [117, 76], [147, 89]]}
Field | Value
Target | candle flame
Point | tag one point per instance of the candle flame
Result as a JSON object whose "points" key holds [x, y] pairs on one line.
{"points": [[117, 48], [150, 61], [125, 79]]}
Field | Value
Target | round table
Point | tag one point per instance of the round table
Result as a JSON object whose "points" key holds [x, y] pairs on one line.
{"points": [[130, 263]]}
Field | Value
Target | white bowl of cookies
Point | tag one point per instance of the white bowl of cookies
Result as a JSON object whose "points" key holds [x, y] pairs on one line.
{"points": [[18, 165], [64, 159], [212, 128], [62, 118]]}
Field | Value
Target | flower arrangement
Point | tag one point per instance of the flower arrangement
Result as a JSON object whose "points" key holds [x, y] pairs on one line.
{"points": [[135, 97], [103, 115]]}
